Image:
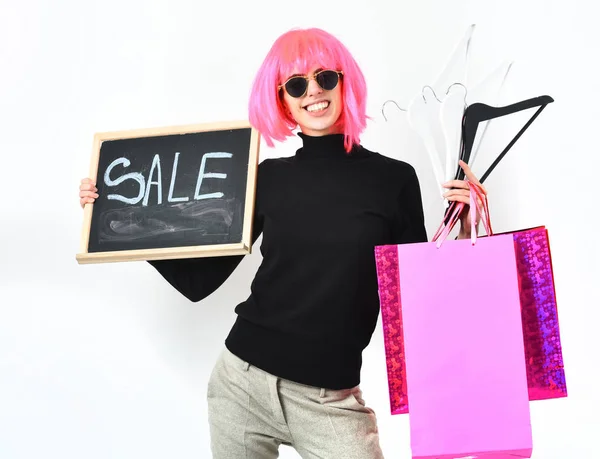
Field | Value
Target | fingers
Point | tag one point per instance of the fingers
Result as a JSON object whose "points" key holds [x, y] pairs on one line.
{"points": [[470, 176], [87, 184], [87, 187], [461, 195], [457, 192], [462, 184], [87, 197], [460, 198], [84, 201], [456, 184], [87, 192]]}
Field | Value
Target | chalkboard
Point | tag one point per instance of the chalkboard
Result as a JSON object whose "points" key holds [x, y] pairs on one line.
{"points": [[176, 192]]}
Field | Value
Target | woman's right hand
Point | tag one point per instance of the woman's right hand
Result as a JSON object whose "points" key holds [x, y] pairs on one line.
{"points": [[87, 192]]}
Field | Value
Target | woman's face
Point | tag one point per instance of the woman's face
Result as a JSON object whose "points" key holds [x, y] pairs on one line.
{"points": [[317, 111]]}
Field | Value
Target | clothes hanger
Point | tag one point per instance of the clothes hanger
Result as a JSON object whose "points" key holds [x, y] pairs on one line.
{"points": [[464, 87], [417, 119], [403, 109], [395, 103], [420, 118], [450, 112], [446, 114], [496, 78], [478, 113], [432, 90]]}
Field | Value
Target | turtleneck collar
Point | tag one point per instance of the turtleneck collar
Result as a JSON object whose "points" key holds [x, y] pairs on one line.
{"points": [[329, 146]]}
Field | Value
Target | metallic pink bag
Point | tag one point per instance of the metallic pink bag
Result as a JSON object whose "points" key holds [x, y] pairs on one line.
{"points": [[541, 335]]}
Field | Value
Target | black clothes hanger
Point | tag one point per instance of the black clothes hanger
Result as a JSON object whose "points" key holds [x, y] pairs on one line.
{"points": [[478, 113]]}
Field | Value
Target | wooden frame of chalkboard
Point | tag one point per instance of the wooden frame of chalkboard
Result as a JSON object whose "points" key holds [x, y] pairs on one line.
{"points": [[120, 226]]}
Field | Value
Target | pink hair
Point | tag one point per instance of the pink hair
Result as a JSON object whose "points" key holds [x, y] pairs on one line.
{"points": [[301, 50]]}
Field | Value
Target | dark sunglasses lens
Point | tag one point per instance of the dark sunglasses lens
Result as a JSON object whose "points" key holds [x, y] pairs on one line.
{"points": [[296, 86], [328, 79]]}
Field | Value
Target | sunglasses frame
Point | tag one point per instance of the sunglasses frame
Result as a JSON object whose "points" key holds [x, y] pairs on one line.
{"points": [[340, 73]]}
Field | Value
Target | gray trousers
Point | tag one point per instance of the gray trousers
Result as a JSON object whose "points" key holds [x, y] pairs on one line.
{"points": [[252, 412]]}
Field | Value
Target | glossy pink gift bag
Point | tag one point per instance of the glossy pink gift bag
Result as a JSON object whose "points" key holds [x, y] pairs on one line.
{"points": [[539, 316], [463, 352]]}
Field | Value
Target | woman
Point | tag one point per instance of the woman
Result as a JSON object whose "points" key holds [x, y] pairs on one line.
{"points": [[290, 369]]}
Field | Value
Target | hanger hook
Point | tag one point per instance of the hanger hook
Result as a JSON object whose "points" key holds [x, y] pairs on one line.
{"points": [[432, 90], [459, 84], [395, 103]]}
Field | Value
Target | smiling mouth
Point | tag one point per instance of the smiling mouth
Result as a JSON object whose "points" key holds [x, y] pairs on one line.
{"points": [[319, 106]]}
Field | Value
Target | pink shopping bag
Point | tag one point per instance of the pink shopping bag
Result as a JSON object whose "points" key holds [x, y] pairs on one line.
{"points": [[464, 352], [539, 316]]}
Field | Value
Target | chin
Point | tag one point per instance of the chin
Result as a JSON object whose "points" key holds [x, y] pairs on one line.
{"points": [[322, 128], [321, 125]]}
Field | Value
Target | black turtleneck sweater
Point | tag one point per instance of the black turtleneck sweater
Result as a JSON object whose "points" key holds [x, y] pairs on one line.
{"points": [[314, 301]]}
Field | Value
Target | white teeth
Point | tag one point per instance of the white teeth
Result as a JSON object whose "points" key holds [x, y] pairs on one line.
{"points": [[319, 106]]}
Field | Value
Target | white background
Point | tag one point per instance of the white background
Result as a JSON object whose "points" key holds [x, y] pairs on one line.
{"points": [[108, 361]]}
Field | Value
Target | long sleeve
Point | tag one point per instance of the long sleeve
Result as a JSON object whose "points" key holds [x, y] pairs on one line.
{"points": [[197, 278], [410, 221]]}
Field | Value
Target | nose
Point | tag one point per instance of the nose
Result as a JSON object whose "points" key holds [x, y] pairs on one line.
{"points": [[313, 88]]}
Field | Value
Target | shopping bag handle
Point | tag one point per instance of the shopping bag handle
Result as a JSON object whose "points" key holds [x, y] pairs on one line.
{"points": [[479, 207]]}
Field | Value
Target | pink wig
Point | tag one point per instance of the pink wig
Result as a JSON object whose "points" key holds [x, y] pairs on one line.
{"points": [[300, 51]]}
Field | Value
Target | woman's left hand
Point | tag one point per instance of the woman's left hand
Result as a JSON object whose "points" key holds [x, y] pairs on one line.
{"points": [[459, 191]]}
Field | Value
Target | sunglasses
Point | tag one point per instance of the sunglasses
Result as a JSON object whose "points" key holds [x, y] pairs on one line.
{"points": [[297, 85]]}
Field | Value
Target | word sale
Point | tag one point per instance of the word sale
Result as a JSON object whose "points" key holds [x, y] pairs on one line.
{"points": [[145, 186]]}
